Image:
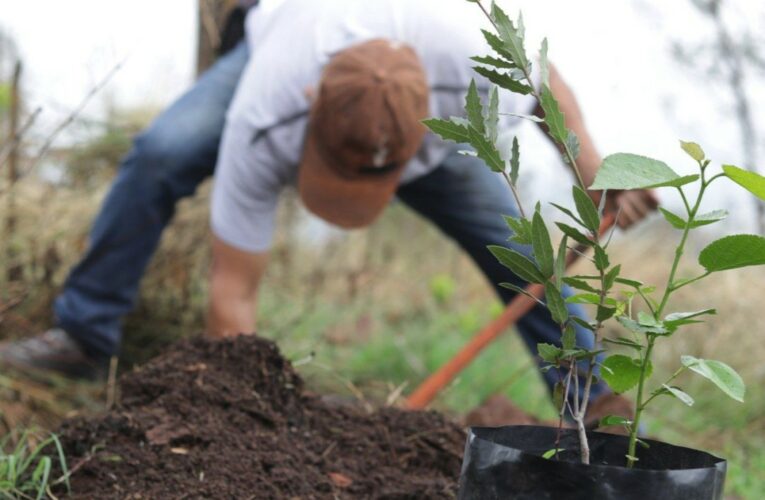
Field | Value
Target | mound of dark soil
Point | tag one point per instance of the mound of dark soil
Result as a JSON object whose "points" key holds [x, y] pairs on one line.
{"points": [[230, 419]]}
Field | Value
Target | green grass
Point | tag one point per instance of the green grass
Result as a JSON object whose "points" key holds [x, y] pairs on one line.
{"points": [[27, 467]]}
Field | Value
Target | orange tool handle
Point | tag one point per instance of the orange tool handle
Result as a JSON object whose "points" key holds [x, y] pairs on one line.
{"points": [[515, 310]]}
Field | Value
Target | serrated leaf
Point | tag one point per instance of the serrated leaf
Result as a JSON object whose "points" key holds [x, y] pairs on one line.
{"points": [[544, 64], [540, 242], [554, 118], [587, 210], [518, 263], [693, 150], [448, 130], [733, 252], [504, 80], [675, 220], [549, 353], [555, 304], [622, 373], [630, 171], [474, 108], [492, 116], [493, 61], [580, 284], [486, 150], [574, 234], [679, 394], [751, 181], [515, 161], [521, 228], [512, 37], [720, 374], [497, 45]]}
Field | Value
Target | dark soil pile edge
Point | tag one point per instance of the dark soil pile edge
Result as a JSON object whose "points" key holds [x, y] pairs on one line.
{"points": [[231, 419]]}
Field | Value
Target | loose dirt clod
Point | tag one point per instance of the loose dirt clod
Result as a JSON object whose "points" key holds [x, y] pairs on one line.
{"points": [[248, 429]]}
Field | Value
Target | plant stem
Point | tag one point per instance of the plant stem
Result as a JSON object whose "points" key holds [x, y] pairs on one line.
{"points": [[514, 190], [639, 406]]}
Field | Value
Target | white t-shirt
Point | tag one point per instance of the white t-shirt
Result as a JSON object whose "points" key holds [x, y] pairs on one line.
{"points": [[290, 41]]}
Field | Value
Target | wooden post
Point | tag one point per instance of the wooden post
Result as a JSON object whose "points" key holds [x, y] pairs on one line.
{"points": [[212, 15], [13, 269]]}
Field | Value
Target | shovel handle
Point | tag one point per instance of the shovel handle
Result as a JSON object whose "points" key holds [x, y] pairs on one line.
{"points": [[515, 310]]}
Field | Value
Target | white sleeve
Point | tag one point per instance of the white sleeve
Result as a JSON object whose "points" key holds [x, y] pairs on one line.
{"points": [[246, 190]]}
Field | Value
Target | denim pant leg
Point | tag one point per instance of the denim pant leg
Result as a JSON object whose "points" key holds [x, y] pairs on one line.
{"points": [[168, 161], [466, 201]]}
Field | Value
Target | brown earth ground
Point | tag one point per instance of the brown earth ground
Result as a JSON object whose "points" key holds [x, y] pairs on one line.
{"points": [[230, 419]]}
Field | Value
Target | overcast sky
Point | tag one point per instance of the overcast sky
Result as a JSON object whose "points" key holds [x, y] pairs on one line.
{"points": [[614, 53]]}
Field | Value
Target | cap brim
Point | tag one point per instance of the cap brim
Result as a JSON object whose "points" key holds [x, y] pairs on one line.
{"points": [[348, 203]]}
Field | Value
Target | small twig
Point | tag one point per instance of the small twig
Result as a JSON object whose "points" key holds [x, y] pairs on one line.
{"points": [[111, 385], [8, 148]]}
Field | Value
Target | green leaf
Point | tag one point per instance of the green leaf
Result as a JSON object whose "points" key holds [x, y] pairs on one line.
{"points": [[583, 323], [521, 230], [486, 150], [560, 262], [569, 213], [448, 130], [512, 37], [614, 420], [555, 304], [572, 143], [574, 234], [549, 353], [720, 374], [580, 284], [629, 171], [587, 209], [733, 252], [544, 64], [751, 181], [474, 108], [693, 150], [624, 341], [604, 313], [601, 259], [492, 116], [515, 161], [611, 276], [675, 320], [633, 326], [622, 373], [493, 61], [522, 291], [551, 453], [554, 118], [700, 220], [504, 80], [629, 282], [559, 395], [497, 46], [540, 242], [568, 339], [678, 393], [517, 263]]}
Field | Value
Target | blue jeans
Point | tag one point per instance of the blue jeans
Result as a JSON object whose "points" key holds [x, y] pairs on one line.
{"points": [[179, 150]]}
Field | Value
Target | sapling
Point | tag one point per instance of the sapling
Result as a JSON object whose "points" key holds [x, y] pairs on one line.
{"points": [[585, 232]]}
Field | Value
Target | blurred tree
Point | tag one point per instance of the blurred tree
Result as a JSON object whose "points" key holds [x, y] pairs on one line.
{"points": [[735, 55]]}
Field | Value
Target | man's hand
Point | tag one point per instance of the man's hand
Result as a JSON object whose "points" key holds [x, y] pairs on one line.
{"points": [[234, 279], [630, 206]]}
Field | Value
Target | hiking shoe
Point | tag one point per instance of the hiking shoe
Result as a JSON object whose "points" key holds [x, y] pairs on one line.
{"points": [[52, 351]]}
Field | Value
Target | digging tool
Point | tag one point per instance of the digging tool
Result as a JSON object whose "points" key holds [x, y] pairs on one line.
{"points": [[515, 310]]}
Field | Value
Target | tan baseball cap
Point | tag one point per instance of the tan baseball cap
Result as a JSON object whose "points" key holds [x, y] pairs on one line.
{"points": [[364, 127]]}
